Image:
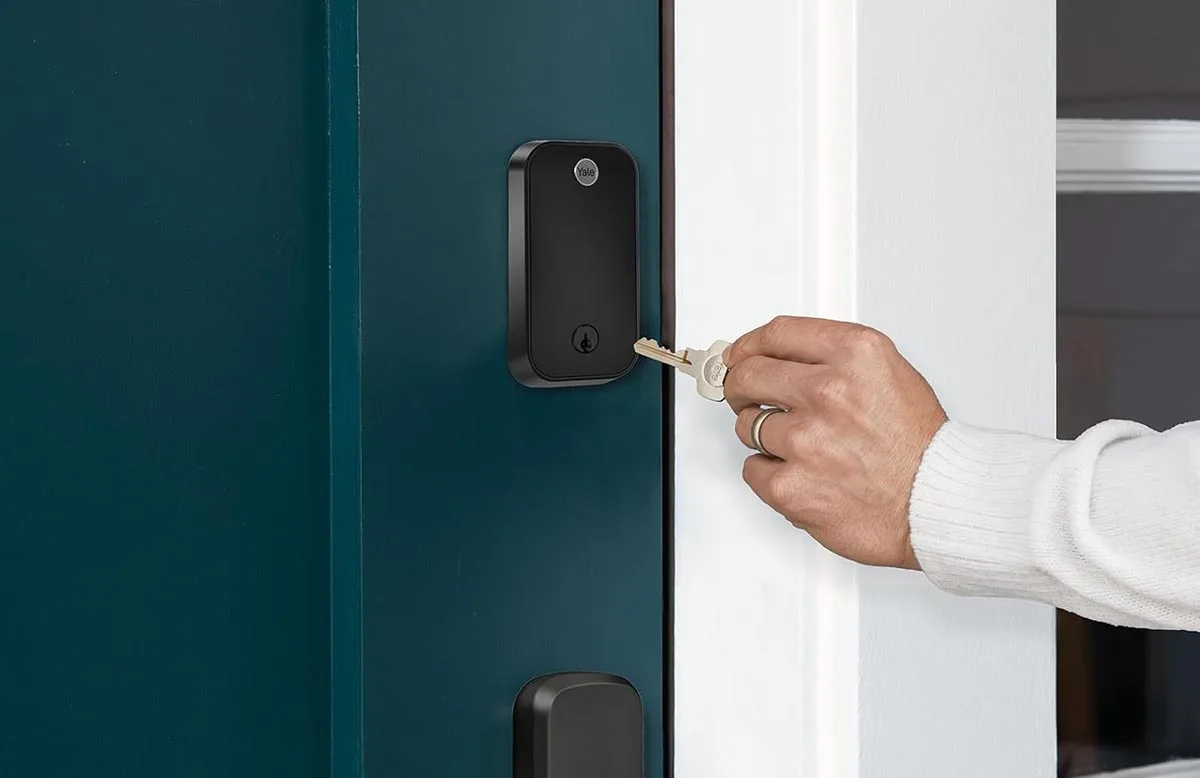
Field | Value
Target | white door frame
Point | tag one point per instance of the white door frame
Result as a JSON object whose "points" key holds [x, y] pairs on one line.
{"points": [[891, 163]]}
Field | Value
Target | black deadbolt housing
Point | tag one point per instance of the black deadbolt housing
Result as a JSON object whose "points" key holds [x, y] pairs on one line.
{"points": [[573, 271], [578, 725]]}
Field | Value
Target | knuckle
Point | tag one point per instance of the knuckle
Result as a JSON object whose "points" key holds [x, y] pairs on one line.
{"points": [[756, 364], [745, 375], [778, 488], [833, 389], [776, 331], [798, 438], [867, 341]]}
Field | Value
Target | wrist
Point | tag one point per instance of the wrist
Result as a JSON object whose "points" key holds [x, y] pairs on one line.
{"points": [[970, 510]]}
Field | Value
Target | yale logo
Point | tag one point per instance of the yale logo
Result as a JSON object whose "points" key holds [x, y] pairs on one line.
{"points": [[586, 172]]}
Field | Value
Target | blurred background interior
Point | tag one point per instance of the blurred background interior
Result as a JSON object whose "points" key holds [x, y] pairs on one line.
{"points": [[1129, 347]]}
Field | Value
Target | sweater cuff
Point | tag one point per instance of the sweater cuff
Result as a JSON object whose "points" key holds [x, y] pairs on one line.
{"points": [[970, 511]]}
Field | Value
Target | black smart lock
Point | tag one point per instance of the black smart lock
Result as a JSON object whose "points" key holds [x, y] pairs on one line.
{"points": [[573, 276]]}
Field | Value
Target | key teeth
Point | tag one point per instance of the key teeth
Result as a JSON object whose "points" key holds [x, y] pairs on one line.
{"points": [[651, 344], [650, 349]]}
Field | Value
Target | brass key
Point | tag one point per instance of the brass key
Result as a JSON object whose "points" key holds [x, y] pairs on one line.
{"points": [[707, 366]]}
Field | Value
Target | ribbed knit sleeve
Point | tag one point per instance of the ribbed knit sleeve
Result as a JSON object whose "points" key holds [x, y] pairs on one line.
{"points": [[1106, 526]]}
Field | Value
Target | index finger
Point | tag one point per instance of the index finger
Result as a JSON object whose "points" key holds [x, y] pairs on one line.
{"points": [[794, 338]]}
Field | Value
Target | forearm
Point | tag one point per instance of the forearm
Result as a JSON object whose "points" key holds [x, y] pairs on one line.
{"points": [[1107, 526]]}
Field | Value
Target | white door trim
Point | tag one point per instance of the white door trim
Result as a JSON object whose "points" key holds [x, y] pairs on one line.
{"points": [[766, 622], [827, 242], [869, 161], [1123, 156]]}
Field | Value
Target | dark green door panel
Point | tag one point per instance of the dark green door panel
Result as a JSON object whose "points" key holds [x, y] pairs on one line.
{"points": [[164, 575], [232, 543], [507, 531]]}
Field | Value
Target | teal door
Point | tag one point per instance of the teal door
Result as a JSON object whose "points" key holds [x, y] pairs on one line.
{"points": [[507, 531], [164, 445], [272, 503]]}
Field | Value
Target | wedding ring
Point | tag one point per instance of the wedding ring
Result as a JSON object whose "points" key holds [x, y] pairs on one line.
{"points": [[756, 429]]}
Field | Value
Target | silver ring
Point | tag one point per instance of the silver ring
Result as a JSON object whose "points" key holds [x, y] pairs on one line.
{"points": [[756, 429]]}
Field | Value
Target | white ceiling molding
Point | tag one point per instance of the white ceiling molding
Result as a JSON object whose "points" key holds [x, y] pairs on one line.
{"points": [[1128, 156]]}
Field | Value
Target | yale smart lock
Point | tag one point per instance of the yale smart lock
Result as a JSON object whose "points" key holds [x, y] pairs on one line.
{"points": [[573, 289]]}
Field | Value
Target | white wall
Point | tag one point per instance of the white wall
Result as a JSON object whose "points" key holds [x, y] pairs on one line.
{"points": [[894, 163], [956, 261]]}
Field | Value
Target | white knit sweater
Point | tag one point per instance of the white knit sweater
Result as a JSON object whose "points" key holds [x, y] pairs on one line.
{"points": [[1106, 526]]}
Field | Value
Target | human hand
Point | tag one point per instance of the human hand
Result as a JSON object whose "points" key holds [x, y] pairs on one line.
{"points": [[845, 455]]}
